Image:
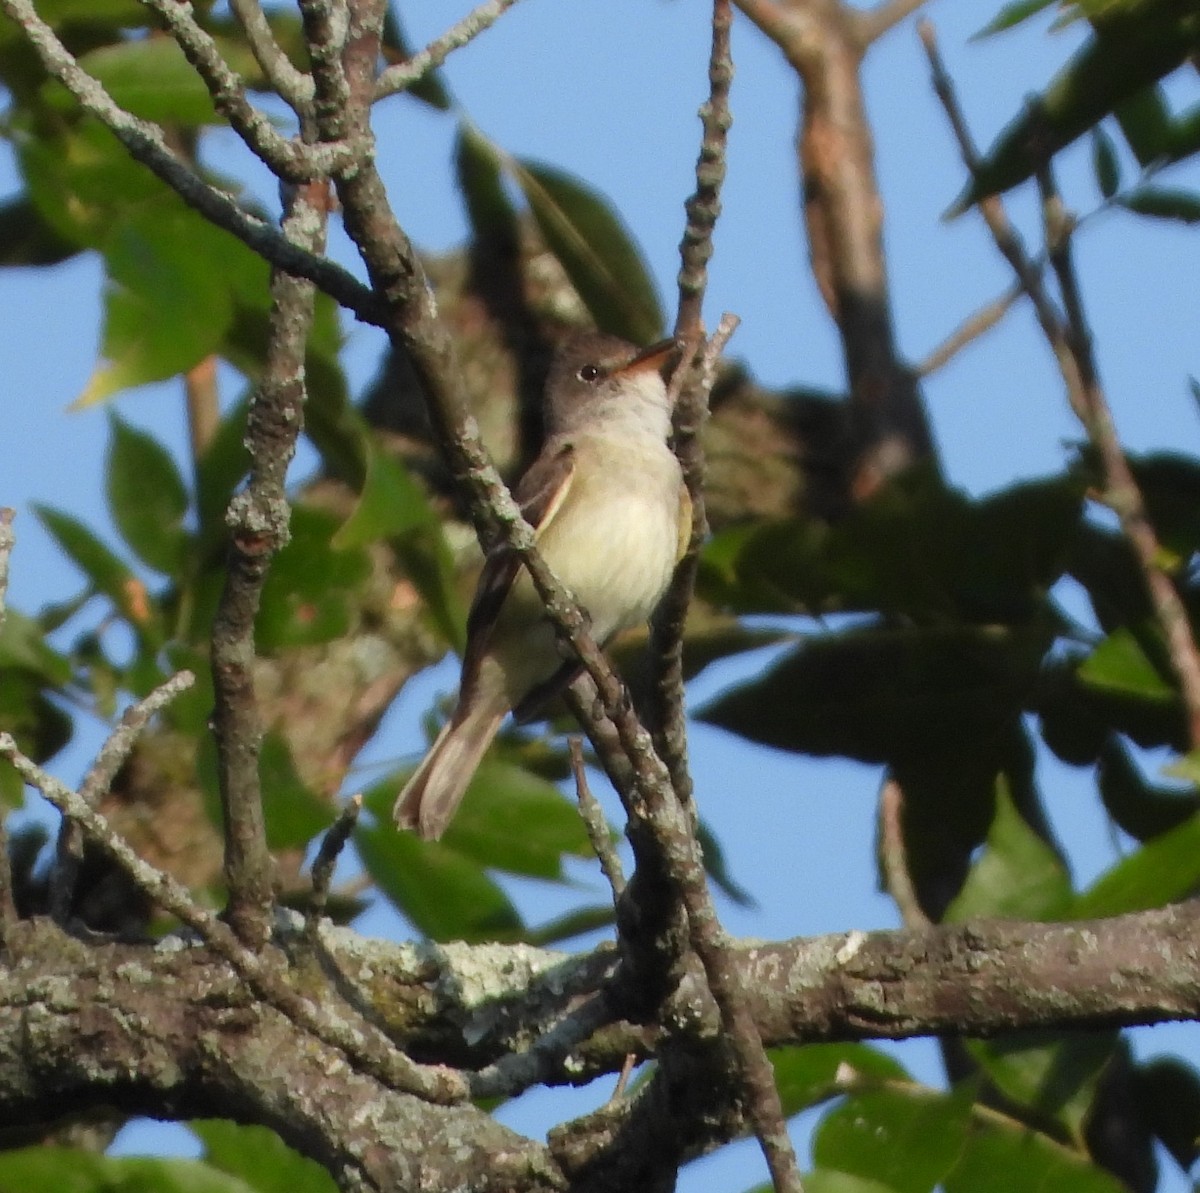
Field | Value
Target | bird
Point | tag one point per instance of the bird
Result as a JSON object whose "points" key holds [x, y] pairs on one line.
{"points": [[611, 518]]}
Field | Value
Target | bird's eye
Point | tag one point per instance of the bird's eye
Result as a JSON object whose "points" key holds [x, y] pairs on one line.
{"points": [[588, 373]]}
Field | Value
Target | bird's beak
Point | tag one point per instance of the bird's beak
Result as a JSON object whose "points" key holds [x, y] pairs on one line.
{"points": [[653, 357]]}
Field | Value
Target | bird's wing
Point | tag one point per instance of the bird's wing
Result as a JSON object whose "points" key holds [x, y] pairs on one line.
{"points": [[540, 493]]}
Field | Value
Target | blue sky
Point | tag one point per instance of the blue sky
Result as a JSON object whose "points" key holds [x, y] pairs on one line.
{"points": [[608, 89]]}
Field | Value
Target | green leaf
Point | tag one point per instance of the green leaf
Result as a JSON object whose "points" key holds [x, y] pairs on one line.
{"points": [[1002, 1155], [595, 249], [906, 1136], [40, 728], [260, 1158], [828, 1180], [151, 78], [1017, 876], [717, 868], [571, 924], [306, 599], [71, 1170], [1119, 664], [1162, 871], [1135, 50], [191, 711], [917, 548], [1185, 135], [23, 645], [1056, 1076], [294, 813], [1145, 122], [1164, 203], [444, 894], [815, 1073], [390, 503], [27, 237], [514, 821], [477, 169], [1105, 163], [880, 694], [167, 302], [83, 180], [1167, 1095], [147, 497], [1139, 808], [104, 570], [1013, 14]]}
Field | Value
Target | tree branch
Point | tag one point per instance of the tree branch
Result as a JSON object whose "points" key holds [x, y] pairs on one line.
{"points": [[843, 210], [690, 410], [169, 1030], [146, 144], [704, 206], [361, 1044], [332, 844], [175, 1039], [289, 160], [593, 819], [293, 86], [258, 517], [967, 332], [404, 75], [96, 783]]}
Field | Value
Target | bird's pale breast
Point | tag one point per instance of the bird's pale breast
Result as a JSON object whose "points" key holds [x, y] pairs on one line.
{"points": [[618, 557]]}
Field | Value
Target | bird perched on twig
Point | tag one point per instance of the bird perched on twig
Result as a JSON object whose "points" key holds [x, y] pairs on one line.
{"points": [[611, 518]]}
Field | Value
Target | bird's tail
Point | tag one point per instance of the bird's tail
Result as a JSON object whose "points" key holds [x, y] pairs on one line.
{"points": [[431, 797]]}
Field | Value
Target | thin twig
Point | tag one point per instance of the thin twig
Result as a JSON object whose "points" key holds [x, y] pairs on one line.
{"points": [[1006, 238], [691, 388], [627, 1067], [104, 769], [670, 618], [145, 142], [404, 75], [594, 820], [8, 903], [259, 517], [893, 855], [292, 85], [326, 31], [704, 206], [120, 743], [538, 1064], [1121, 488], [1070, 341], [978, 324], [289, 160], [324, 863]]}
